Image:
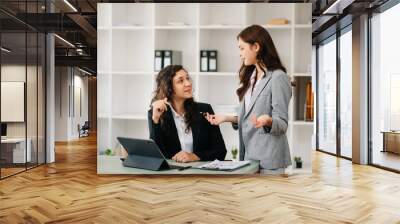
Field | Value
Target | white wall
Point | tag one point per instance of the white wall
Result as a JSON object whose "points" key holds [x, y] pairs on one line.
{"points": [[33, 127], [61, 103], [67, 81], [80, 82], [16, 73]]}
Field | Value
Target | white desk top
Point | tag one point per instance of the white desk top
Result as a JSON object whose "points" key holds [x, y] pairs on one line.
{"points": [[13, 140], [113, 165]]}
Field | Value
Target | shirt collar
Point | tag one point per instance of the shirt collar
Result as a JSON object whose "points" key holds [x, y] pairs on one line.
{"points": [[254, 76], [174, 113]]}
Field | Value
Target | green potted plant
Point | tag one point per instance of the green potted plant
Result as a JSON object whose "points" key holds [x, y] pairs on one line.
{"points": [[108, 152], [234, 152], [298, 161]]}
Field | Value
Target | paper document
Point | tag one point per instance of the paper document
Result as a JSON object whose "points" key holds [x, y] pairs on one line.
{"points": [[224, 165]]}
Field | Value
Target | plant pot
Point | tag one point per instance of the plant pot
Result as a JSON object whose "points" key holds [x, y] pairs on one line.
{"points": [[299, 165]]}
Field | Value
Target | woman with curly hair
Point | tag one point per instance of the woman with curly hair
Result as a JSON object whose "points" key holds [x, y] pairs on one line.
{"points": [[177, 123]]}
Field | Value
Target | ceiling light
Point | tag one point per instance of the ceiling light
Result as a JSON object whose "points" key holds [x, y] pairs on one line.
{"points": [[337, 7], [332, 7], [84, 71], [70, 5], [5, 50], [64, 40]]}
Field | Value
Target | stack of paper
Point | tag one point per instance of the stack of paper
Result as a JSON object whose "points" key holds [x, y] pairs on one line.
{"points": [[224, 165]]}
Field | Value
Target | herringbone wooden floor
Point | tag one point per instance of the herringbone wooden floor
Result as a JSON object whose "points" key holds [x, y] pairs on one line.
{"points": [[70, 191]]}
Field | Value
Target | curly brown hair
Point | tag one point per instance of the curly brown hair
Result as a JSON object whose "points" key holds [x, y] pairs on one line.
{"points": [[268, 55], [164, 89]]}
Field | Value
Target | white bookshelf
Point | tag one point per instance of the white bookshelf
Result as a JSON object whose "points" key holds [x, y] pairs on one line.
{"points": [[128, 35]]}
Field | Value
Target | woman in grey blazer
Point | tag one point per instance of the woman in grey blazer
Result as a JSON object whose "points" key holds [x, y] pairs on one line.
{"points": [[264, 96]]}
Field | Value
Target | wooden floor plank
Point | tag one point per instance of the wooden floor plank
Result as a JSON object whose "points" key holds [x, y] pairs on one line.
{"points": [[70, 191]]}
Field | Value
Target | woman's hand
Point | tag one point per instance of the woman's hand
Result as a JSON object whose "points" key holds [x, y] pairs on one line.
{"points": [[261, 121], [159, 107], [215, 119], [185, 157], [124, 153]]}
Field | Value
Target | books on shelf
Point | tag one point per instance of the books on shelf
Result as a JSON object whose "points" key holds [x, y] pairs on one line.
{"points": [[163, 58], [208, 61], [309, 113], [278, 21]]}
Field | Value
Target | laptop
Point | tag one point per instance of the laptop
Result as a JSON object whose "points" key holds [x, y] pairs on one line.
{"points": [[144, 154]]}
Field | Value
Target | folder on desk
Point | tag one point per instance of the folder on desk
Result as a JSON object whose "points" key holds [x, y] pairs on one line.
{"points": [[224, 165]]}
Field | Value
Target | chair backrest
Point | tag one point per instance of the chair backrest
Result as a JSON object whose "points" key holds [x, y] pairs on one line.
{"points": [[86, 125]]}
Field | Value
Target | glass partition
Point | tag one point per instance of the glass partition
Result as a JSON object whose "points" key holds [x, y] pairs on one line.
{"points": [[327, 96], [385, 89], [22, 77], [346, 93]]}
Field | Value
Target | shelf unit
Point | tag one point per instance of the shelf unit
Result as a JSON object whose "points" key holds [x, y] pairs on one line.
{"points": [[128, 35]]}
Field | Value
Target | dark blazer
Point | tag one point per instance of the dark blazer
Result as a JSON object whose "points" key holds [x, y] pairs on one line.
{"points": [[208, 143]]}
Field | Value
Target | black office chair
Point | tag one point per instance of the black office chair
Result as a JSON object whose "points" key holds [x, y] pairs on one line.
{"points": [[84, 130]]}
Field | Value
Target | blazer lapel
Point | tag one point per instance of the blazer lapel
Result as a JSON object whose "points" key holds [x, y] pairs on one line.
{"points": [[195, 134], [263, 82], [174, 132]]}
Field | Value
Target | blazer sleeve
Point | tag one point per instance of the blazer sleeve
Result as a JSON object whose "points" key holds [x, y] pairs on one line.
{"points": [[216, 147], [235, 125], [156, 133], [281, 94]]}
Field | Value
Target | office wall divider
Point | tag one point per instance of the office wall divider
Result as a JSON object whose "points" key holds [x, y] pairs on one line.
{"points": [[383, 84], [338, 72], [23, 145], [338, 140]]}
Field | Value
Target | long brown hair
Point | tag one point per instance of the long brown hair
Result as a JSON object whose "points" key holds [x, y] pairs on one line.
{"points": [[267, 56], [164, 89]]}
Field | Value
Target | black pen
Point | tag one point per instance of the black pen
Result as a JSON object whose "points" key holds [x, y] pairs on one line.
{"points": [[184, 168]]}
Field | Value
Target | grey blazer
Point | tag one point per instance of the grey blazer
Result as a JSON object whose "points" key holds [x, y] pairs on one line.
{"points": [[269, 145]]}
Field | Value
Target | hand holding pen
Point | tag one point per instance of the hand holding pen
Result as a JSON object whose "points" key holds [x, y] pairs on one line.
{"points": [[159, 107]]}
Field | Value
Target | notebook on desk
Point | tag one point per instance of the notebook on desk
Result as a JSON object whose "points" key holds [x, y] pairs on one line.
{"points": [[224, 165]]}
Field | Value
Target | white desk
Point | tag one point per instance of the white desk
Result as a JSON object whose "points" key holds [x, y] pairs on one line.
{"points": [[19, 149], [113, 165]]}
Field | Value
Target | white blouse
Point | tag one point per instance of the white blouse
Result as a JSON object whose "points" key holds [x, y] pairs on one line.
{"points": [[249, 92], [186, 139]]}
